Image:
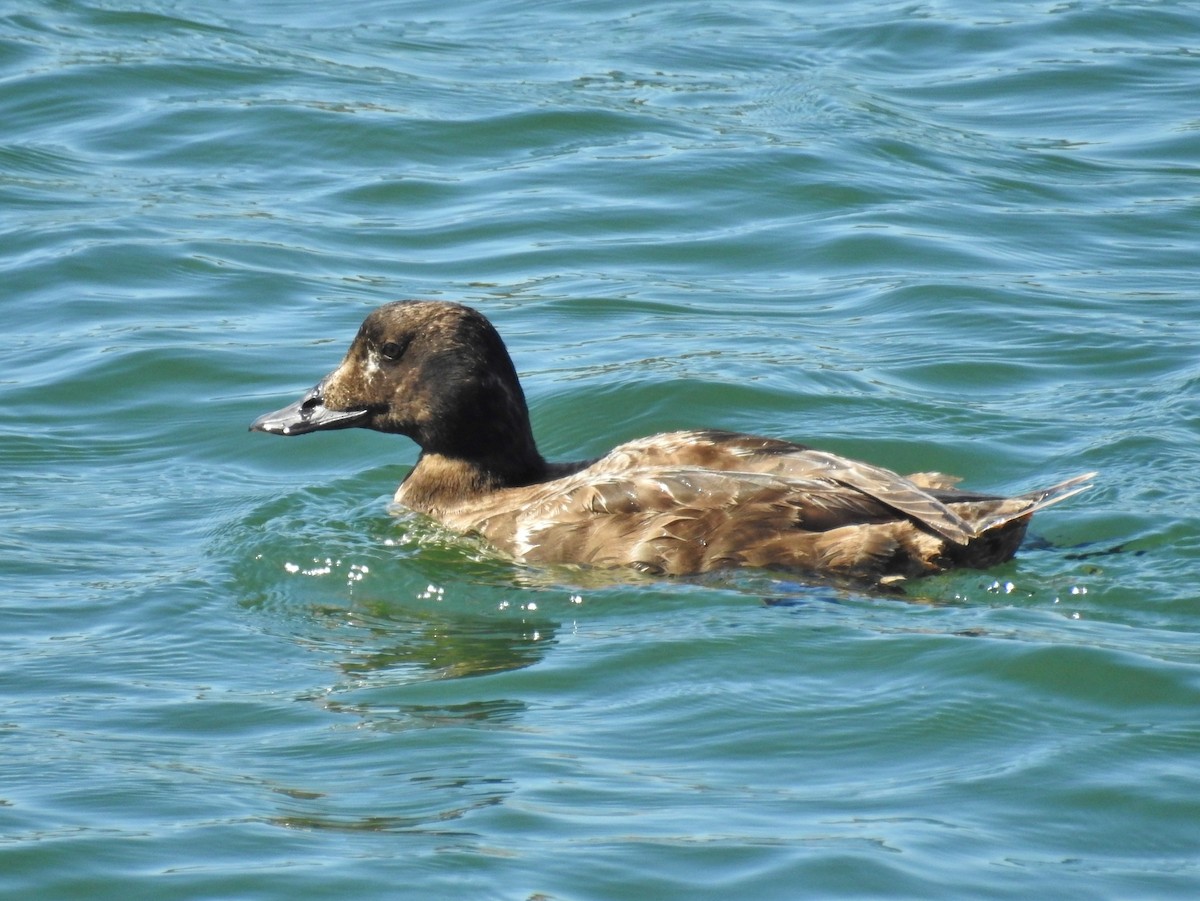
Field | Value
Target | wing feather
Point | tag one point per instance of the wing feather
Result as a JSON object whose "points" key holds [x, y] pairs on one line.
{"points": [[694, 501]]}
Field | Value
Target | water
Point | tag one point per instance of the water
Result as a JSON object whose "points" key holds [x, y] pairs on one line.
{"points": [[954, 236]]}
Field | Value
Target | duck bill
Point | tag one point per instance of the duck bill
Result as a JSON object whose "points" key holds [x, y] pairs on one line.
{"points": [[308, 414]]}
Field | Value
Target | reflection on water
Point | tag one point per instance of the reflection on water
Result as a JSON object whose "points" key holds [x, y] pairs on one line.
{"points": [[453, 649], [398, 717], [487, 794]]}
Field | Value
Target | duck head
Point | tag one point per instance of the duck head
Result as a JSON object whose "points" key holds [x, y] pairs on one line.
{"points": [[433, 371]]}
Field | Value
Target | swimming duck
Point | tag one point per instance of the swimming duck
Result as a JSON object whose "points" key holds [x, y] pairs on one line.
{"points": [[675, 503]]}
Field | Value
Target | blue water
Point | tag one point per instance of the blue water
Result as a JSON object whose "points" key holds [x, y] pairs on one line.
{"points": [[954, 236]]}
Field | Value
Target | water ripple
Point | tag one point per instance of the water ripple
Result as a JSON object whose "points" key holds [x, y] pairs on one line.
{"points": [[932, 236]]}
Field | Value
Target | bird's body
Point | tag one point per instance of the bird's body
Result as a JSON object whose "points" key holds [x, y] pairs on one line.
{"points": [[675, 503]]}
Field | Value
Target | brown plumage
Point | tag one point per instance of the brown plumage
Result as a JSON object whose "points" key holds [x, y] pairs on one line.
{"points": [[676, 503]]}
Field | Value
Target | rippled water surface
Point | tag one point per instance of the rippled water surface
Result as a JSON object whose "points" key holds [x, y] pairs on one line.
{"points": [[955, 236]]}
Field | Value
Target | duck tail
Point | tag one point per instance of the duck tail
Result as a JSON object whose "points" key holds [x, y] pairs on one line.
{"points": [[1023, 505]]}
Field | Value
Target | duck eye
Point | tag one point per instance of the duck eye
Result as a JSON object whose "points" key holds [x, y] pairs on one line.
{"points": [[392, 351]]}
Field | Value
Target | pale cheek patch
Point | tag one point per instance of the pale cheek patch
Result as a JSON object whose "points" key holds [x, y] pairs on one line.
{"points": [[371, 367]]}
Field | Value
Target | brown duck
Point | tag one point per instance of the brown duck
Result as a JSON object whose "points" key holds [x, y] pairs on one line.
{"points": [[676, 503]]}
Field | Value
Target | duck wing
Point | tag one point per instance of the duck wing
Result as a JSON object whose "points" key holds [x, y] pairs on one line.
{"points": [[696, 501], [809, 470], [680, 520]]}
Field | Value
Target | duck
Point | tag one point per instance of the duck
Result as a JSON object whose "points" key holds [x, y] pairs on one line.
{"points": [[679, 503]]}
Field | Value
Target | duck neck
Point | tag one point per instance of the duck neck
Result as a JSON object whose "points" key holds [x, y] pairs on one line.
{"points": [[440, 481]]}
